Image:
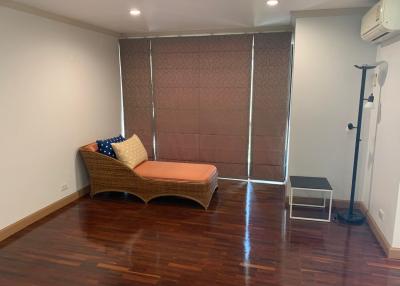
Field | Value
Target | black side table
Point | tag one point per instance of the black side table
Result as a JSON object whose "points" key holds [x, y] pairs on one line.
{"points": [[314, 184]]}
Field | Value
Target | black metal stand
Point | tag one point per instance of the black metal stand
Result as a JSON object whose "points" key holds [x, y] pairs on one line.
{"points": [[352, 216]]}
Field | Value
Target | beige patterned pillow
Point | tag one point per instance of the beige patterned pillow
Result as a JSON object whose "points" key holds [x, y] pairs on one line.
{"points": [[131, 152]]}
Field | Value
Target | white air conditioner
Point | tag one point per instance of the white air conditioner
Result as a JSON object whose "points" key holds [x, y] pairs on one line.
{"points": [[381, 22]]}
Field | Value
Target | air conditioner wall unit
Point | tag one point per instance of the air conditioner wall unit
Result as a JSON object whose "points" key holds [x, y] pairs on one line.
{"points": [[381, 22]]}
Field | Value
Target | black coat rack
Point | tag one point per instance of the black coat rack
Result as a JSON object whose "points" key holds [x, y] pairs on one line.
{"points": [[351, 215]]}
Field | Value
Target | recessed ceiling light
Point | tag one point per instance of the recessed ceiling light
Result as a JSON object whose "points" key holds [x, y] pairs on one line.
{"points": [[135, 12], [272, 2]]}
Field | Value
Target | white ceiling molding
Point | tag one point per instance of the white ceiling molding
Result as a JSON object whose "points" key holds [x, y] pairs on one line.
{"points": [[326, 12], [56, 17], [266, 29]]}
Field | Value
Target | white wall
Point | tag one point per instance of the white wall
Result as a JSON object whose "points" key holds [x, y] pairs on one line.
{"points": [[325, 98], [59, 89], [383, 171]]}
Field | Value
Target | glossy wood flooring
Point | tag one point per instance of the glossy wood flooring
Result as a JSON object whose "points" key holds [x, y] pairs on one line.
{"points": [[244, 238]]}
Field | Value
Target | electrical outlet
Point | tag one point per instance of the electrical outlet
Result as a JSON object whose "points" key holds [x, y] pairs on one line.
{"points": [[64, 188], [381, 214]]}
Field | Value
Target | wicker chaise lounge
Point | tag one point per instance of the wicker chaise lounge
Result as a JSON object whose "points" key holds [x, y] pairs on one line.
{"points": [[151, 179]]}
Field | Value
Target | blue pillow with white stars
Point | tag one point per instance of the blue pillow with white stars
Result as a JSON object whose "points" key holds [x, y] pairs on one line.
{"points": [[104, 146]]}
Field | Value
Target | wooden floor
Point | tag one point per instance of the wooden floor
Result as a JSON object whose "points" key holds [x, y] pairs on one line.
{"points": [[245, 238]]}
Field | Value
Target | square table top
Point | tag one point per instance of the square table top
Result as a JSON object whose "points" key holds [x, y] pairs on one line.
{"points": [[319, 183]]}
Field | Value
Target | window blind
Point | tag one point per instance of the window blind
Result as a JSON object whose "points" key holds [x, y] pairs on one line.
{"points": [[201, 91], [270, 105], [193, 100], [136, 88]]}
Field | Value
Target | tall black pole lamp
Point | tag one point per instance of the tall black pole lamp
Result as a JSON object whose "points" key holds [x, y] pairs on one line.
{"points": [[351, 215]]}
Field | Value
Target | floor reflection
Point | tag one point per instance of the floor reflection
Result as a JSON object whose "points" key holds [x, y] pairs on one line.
{"points": [[246, 241], [244, 238]]}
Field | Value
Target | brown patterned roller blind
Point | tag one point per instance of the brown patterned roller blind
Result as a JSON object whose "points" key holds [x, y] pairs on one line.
{"points": [[137, 96], [202, 91], [270, 105]]}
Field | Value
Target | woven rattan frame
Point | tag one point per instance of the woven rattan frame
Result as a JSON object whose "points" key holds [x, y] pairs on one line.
{"points": [[110, 175]]}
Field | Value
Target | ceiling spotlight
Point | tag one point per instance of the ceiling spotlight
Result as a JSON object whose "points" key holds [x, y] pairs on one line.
{"points": [[272, 2], [135, 12]]}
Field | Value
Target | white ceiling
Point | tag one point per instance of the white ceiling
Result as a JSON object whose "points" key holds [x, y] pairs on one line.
{"points": [[163, 16]]}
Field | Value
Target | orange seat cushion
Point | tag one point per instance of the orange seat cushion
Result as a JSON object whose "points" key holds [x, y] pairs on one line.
{"points": [[171, 171], [90, 147]]}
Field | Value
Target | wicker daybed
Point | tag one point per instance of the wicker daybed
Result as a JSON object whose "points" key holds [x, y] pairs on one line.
{"points": [[151, 179]]}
